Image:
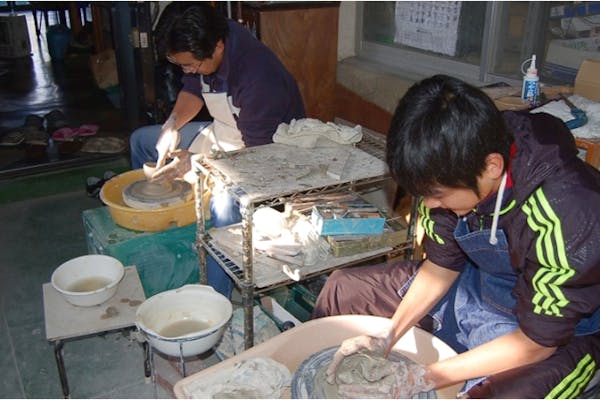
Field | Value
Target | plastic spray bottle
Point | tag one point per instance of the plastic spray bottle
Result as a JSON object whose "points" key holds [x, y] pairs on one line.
{"points": [[531, 84]]}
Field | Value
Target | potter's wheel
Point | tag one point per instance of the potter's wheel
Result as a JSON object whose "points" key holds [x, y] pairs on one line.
{"points": [[309, 379], [144, 195]]}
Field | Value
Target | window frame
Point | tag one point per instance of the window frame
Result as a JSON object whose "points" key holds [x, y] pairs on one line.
{"points": [[418, 63]]}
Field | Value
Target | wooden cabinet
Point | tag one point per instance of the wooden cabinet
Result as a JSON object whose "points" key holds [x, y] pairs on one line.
{"points": [[304, 37]]}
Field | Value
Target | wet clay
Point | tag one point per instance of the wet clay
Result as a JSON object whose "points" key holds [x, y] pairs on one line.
{"points": [[109, 313], [132, 303], [144, 195], [254, 378], [358, 369]]}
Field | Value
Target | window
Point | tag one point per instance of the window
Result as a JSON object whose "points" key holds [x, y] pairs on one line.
{"points": [[481, 42], [10, 6]]}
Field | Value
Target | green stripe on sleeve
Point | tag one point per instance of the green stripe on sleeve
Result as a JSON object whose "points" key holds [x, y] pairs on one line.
{"points": [[551, 254], [427, 223], [576, 382]]}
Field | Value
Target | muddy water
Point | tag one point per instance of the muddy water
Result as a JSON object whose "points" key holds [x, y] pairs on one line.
{"points": [[89, 284], [184, 327]]}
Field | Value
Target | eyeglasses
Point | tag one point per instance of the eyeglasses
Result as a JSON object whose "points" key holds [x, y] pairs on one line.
{"points": [[187, 68]]}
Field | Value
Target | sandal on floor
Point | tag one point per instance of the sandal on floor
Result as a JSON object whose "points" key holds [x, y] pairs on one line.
{"points": [[87, 130], [55, 119], [67, 133], [64, 133], [12, 138], [107, 145], [108, 175], [35, 135], [34, 121], [93, 185]]}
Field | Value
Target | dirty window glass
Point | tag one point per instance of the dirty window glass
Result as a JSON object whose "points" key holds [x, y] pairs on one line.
{"points": [[495, 38]]}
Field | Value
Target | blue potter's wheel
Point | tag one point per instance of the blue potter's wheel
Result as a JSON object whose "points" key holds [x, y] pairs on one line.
{"points": [[309, 379]]}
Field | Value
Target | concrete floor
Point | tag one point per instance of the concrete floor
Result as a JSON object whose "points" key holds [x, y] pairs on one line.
{"points": [[38, 235]]}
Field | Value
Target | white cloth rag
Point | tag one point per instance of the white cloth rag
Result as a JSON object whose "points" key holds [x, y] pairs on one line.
{"points": [[560, 109], [306, 133]]}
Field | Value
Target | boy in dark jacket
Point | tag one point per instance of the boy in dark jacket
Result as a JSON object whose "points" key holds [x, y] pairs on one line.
{"points": [[512, 228]]}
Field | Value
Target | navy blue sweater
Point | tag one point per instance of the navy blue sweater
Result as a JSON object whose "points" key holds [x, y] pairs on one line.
{"points": [[258, 84]]}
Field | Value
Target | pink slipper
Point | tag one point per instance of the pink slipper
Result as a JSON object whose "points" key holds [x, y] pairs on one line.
{"points": [[65, 133], [87, 130]]}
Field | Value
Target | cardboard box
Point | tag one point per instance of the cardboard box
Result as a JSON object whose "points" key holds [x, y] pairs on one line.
{"points": [[394, 233], [587, 82], [565, 57]]}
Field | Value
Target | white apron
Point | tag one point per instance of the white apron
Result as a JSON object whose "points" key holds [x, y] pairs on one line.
{"points": [[222, 134]]}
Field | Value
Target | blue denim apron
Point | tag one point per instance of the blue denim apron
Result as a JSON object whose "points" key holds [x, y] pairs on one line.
{"points": [[479, 306]]}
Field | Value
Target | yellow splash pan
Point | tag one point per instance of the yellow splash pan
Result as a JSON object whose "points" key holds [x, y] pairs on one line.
{"points": [[158, 219]]}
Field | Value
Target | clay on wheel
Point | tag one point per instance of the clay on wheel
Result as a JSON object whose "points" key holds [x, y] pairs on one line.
{"points": [[144, 195]]}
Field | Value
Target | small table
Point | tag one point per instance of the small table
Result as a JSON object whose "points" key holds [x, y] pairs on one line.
{"points": [[65, 321]]}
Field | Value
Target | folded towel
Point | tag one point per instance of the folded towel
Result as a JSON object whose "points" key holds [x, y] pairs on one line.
{"points": [[558, 108], [307, 133]]}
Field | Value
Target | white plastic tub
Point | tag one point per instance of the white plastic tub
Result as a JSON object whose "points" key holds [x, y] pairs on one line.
{"points": [[193, 317], [88, 280]]}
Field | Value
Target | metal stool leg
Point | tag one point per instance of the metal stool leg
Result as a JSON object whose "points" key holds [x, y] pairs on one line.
{"points": [[147, 364], [181, 359], [152, 369], [62, 373]]}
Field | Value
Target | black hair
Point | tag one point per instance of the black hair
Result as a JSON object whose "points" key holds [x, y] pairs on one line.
{"points": [[441, 133], [195, 28]]}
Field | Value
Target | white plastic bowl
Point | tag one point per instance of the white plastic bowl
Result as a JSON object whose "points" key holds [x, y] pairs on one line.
{"points": [[88, 280], [192, 316]]}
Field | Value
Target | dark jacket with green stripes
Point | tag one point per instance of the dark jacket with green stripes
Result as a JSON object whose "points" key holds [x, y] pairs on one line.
{"points": [[551, 217]]}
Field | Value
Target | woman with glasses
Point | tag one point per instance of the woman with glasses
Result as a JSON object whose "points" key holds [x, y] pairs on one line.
{"points": [[243, 85]]}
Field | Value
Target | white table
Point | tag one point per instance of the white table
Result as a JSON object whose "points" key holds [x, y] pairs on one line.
{"points": [[65, 321]]}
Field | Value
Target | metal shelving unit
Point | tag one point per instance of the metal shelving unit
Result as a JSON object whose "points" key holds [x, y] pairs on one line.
{"points": [[274, 175]]}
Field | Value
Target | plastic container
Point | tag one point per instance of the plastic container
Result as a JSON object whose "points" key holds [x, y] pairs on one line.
{"points": [[88, 280], [531, 84], [330, 226], [111, 194], [185, 321], [58, 38]]}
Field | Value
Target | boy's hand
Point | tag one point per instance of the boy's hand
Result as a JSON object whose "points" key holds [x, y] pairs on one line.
{"points": [[353, 346]]}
